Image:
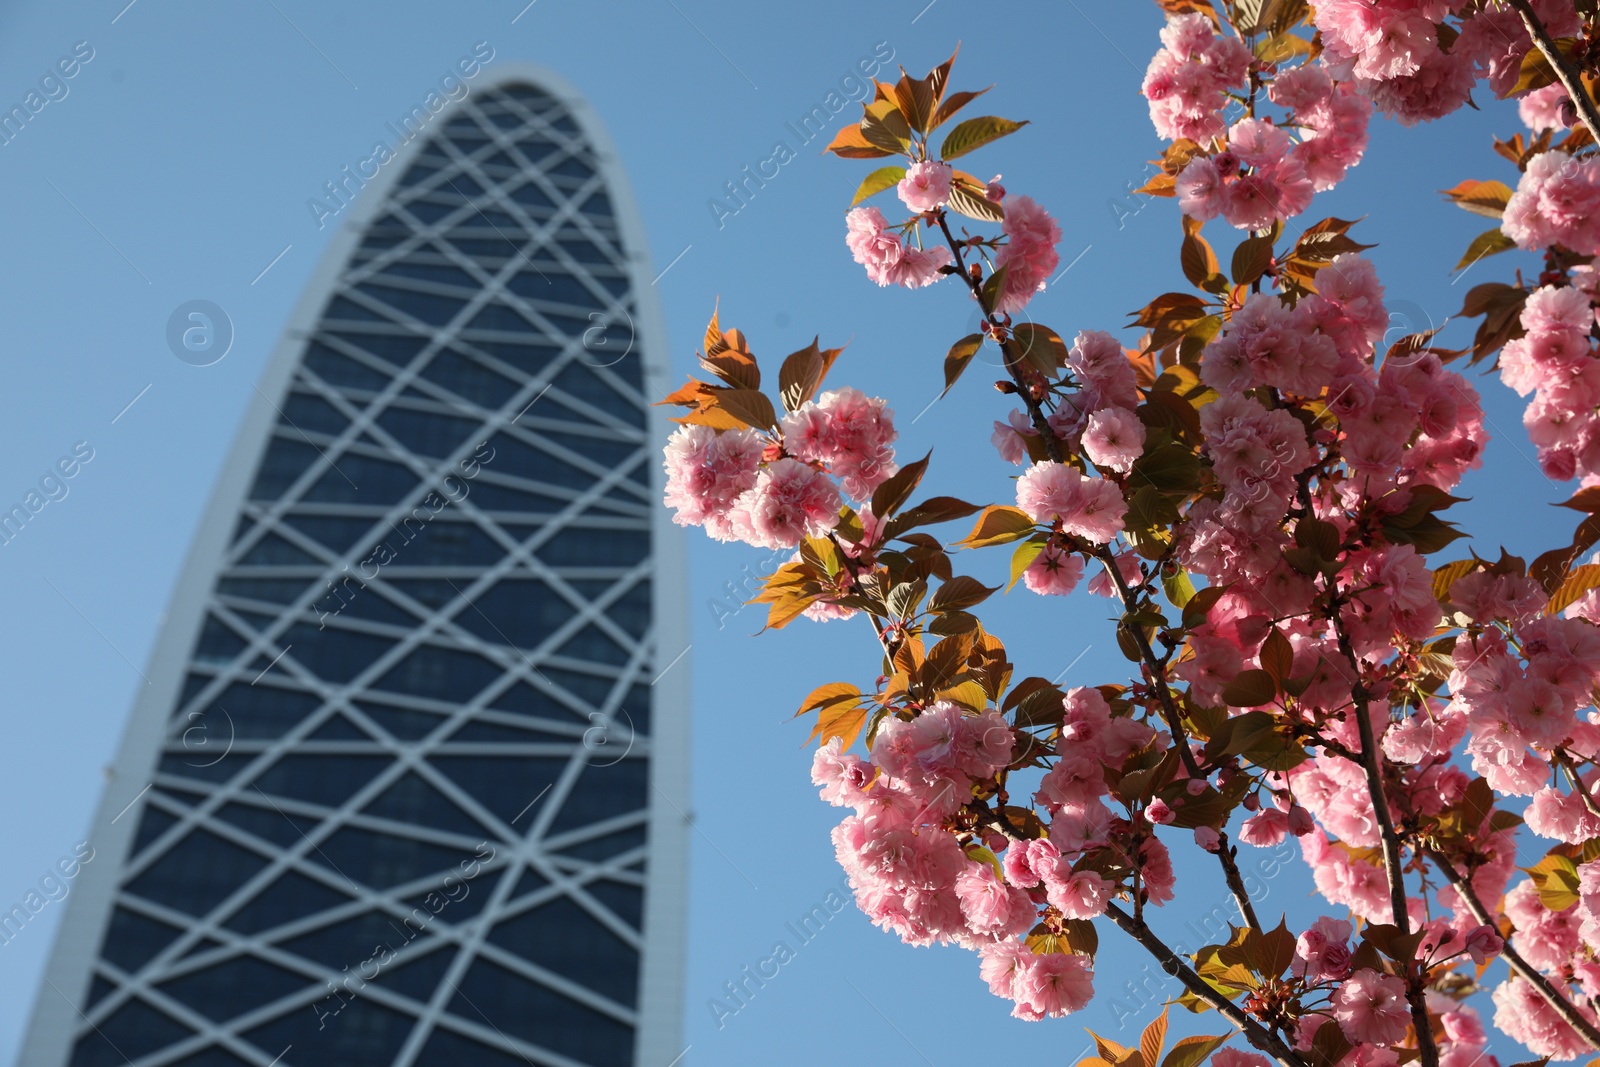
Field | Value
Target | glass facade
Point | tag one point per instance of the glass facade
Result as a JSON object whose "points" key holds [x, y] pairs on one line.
{"points": [[400, 812]]}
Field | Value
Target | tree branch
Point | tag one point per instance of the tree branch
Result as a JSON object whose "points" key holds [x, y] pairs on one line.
{"points": [[1052, 445], [1570, 78], [1563, 1007], [1258, 1035], [1225, 853], [1158, 676], [1372, 763]]}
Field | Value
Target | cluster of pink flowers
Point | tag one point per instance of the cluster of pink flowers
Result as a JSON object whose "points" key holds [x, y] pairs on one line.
{"points": [[1524, 1015], [1042, 869], [1557, 202], [1041, 985], [1262, 175], [1510, 709], [1099, 415], [1394, 51], [888, 259], [1555, 361], [851, 434], [723, 482], [1188, 80], [1332, 118], [1058, 494], [1561, 944], [1255, 181], [1257, 455], [1549, 108], [1029, 255], [909, 874]]}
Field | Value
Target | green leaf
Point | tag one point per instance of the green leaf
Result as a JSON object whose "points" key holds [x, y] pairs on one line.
{"points": [[1168, 467], [1192, 1051], [1446, 575], [1199, 262], [1556, 878], [1024, 556], [826, 696], [935, 509], [998, 525], [749, 406], [1195, 611], [802, 373], [1487, 243], [975, 133], [876, 182], [884, 127], [1179, 589], [968, 199]]}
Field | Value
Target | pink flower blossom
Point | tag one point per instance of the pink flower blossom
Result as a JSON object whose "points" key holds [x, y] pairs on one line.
{"points": [[1159, 813], [887, 259], [1080, 896], [788, 502], [1232, 1057], [1527, 1017], [1371, 1008], [1483, 944], [1091, 508], [1053, 985], [851, 433], [842, 776], [1114, 439], [1265, 828], [1207, 838], [925, 186], [1128, 567], [1053, 572], [1029, 254], [1001, 964], [1188, 80], [707, 472], [1323, 951]]}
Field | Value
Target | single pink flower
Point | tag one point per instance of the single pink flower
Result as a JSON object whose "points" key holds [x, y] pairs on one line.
{"points": [[925, 186], [1371, 1008]]}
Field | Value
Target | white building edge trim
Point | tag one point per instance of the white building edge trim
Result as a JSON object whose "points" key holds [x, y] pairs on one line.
{"points": [[49, 1038]]}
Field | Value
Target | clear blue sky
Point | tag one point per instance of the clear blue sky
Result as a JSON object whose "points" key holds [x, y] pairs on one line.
{"points": [[178, 167]]}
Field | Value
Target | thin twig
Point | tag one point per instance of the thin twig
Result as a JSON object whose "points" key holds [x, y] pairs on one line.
{"points": [[1372, 763], [1036, 414], [1570, 78], [1563, 1007], [1258, 1035], [1225, 853]]}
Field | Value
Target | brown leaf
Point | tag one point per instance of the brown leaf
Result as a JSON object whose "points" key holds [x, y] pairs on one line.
{"points": [[1481, 198], [749, 406], [960, 355], [851, 143]]}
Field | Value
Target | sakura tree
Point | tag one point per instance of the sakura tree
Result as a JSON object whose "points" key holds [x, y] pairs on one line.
{"points": [[1261, 485]]}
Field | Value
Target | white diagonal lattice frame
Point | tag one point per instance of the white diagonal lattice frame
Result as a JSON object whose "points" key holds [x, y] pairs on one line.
{"points": [[468, 196]]}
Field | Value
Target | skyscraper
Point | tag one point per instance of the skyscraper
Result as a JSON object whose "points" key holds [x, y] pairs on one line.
{"points": [[407, 784]]}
